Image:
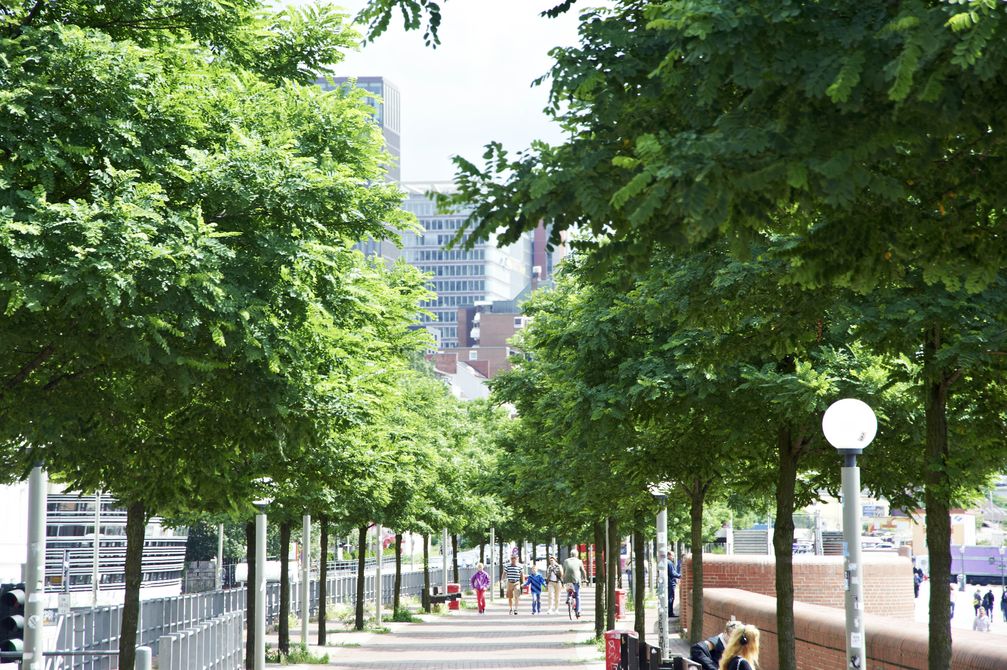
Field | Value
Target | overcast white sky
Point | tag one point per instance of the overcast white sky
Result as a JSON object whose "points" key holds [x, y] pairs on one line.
{"points": [[475, 87]]}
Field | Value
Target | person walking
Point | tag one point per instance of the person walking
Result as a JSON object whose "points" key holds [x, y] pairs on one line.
{"points": [[977, 601], [573, 574], [553, 578], [479, 582], [988, 601], [742, 650], [535, 582], [953, 593], [1003, 605], [673, 576], [982, 622], [513, 576]]}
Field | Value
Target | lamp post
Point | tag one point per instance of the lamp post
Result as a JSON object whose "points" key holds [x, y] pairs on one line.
{"points": [[1001, 565], [259, 615], [659, 492], [849, 426]]}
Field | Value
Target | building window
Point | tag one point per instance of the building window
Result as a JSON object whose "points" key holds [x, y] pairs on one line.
{"points": [[473, 355]]}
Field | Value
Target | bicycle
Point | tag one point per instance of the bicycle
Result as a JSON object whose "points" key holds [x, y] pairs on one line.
{"points": [[572, 602]]}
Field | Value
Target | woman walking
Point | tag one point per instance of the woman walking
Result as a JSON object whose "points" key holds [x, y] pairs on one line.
{"points": [[554, 576], [742, 650], [480, 582]]}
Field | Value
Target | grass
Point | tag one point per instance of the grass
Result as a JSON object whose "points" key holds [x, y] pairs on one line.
{"points": [[404, 615], [298, 654]]}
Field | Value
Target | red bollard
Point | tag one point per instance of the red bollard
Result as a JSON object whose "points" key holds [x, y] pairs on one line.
{"points": [[620, 603], [456, 603]]}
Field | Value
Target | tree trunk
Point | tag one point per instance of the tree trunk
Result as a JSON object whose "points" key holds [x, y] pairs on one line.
{"points": [[697, 501], [600, 595], [397, 595], [284, 627], [358, 619], [136, 523], [426, 573], [250, 596], [787, 447], [639, 585], [454, 557], [938, 507], [612, 554], [323, 577], [482, 552]]}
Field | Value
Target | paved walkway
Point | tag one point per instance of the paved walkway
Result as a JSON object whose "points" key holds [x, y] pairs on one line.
{"points": [[466, 640]]}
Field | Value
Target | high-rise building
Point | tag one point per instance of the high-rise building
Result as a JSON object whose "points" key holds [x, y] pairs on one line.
{"points": [[460, 276], [386, 100], [387, 103]]}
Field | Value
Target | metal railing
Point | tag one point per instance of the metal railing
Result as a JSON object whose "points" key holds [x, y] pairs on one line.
{"points": [[98, 629], [217, 644]]}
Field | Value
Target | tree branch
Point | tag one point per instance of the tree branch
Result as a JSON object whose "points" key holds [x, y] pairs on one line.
{"points": [[29, 367]]}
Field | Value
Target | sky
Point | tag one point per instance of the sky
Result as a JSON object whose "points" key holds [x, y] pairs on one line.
{"points": [[472, 89]]}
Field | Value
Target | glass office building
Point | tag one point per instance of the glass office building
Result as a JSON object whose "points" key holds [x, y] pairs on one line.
{"points": [[387, 103], [461, 277]]}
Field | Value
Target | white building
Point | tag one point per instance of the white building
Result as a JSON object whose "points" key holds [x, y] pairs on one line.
{"points": [[71, 520]]}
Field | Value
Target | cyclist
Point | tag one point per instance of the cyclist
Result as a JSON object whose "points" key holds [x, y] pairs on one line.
{"points": [[573, 575]]}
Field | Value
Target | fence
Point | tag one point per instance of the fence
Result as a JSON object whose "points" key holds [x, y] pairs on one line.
{"points": [[98, 629], [216, 644]]}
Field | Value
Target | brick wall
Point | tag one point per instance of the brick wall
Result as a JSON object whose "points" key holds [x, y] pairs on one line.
{"points": [[820, 636], [818, 580]]}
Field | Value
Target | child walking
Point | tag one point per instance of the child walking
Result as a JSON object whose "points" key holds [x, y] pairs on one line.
{"points": [[535, 582], [480, 582]]}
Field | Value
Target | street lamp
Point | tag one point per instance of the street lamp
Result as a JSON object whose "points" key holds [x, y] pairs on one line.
{"points": [[849, 426], [993, 561], [659, 491]]}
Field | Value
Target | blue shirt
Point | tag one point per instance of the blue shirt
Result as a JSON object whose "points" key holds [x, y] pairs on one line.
{"points": [[536, 582]]}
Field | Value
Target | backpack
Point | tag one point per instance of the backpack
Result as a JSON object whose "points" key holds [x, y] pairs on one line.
{"points": [[739, 663]]}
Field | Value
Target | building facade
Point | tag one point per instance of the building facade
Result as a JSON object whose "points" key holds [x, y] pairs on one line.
{"points": [[461, 277], [385, 98], [70, 565]]}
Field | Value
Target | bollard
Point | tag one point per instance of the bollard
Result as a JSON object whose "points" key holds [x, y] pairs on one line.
{"points": [[144, 658]]}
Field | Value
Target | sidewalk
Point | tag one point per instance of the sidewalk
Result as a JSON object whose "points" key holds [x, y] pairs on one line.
{"points": [[467, 640]]}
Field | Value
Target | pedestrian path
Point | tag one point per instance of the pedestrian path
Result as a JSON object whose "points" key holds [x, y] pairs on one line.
{"points": [[465, 639]]}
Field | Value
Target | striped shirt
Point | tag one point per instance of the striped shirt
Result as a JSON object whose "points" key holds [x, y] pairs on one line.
{"points": [[513, 573]]}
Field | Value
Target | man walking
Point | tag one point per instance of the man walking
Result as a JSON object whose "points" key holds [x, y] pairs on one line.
{"points": [[573, 573], [513, 576]]}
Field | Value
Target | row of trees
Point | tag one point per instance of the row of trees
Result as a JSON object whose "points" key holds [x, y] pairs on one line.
{"points": [[186, 324], [807, 201]]}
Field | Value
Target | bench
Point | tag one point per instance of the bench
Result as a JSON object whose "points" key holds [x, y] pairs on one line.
{"points": [[436, 598]]}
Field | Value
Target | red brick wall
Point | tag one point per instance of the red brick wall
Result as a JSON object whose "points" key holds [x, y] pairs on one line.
{"points": [[818, 580], [820, 635]]}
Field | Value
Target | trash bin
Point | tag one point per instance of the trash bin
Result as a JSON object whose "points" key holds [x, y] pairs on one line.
{"points": [[454, 588], [630, 652], [613, 648], [620, 603]]}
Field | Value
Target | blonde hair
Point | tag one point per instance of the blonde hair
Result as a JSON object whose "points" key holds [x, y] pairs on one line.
{"points": [[744, 642], [479, 566]]}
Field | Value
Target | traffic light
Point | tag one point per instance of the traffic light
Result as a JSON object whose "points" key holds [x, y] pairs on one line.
{"points": [[11, 619]]}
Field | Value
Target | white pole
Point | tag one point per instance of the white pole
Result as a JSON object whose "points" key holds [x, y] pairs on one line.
{"points": [[260, 588], [35, 573], [218, 582], [662, 579], [377, 578], [493, 544], [444, 557], [143, 659], [305, 577], [95, 575], [855, 640]]}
